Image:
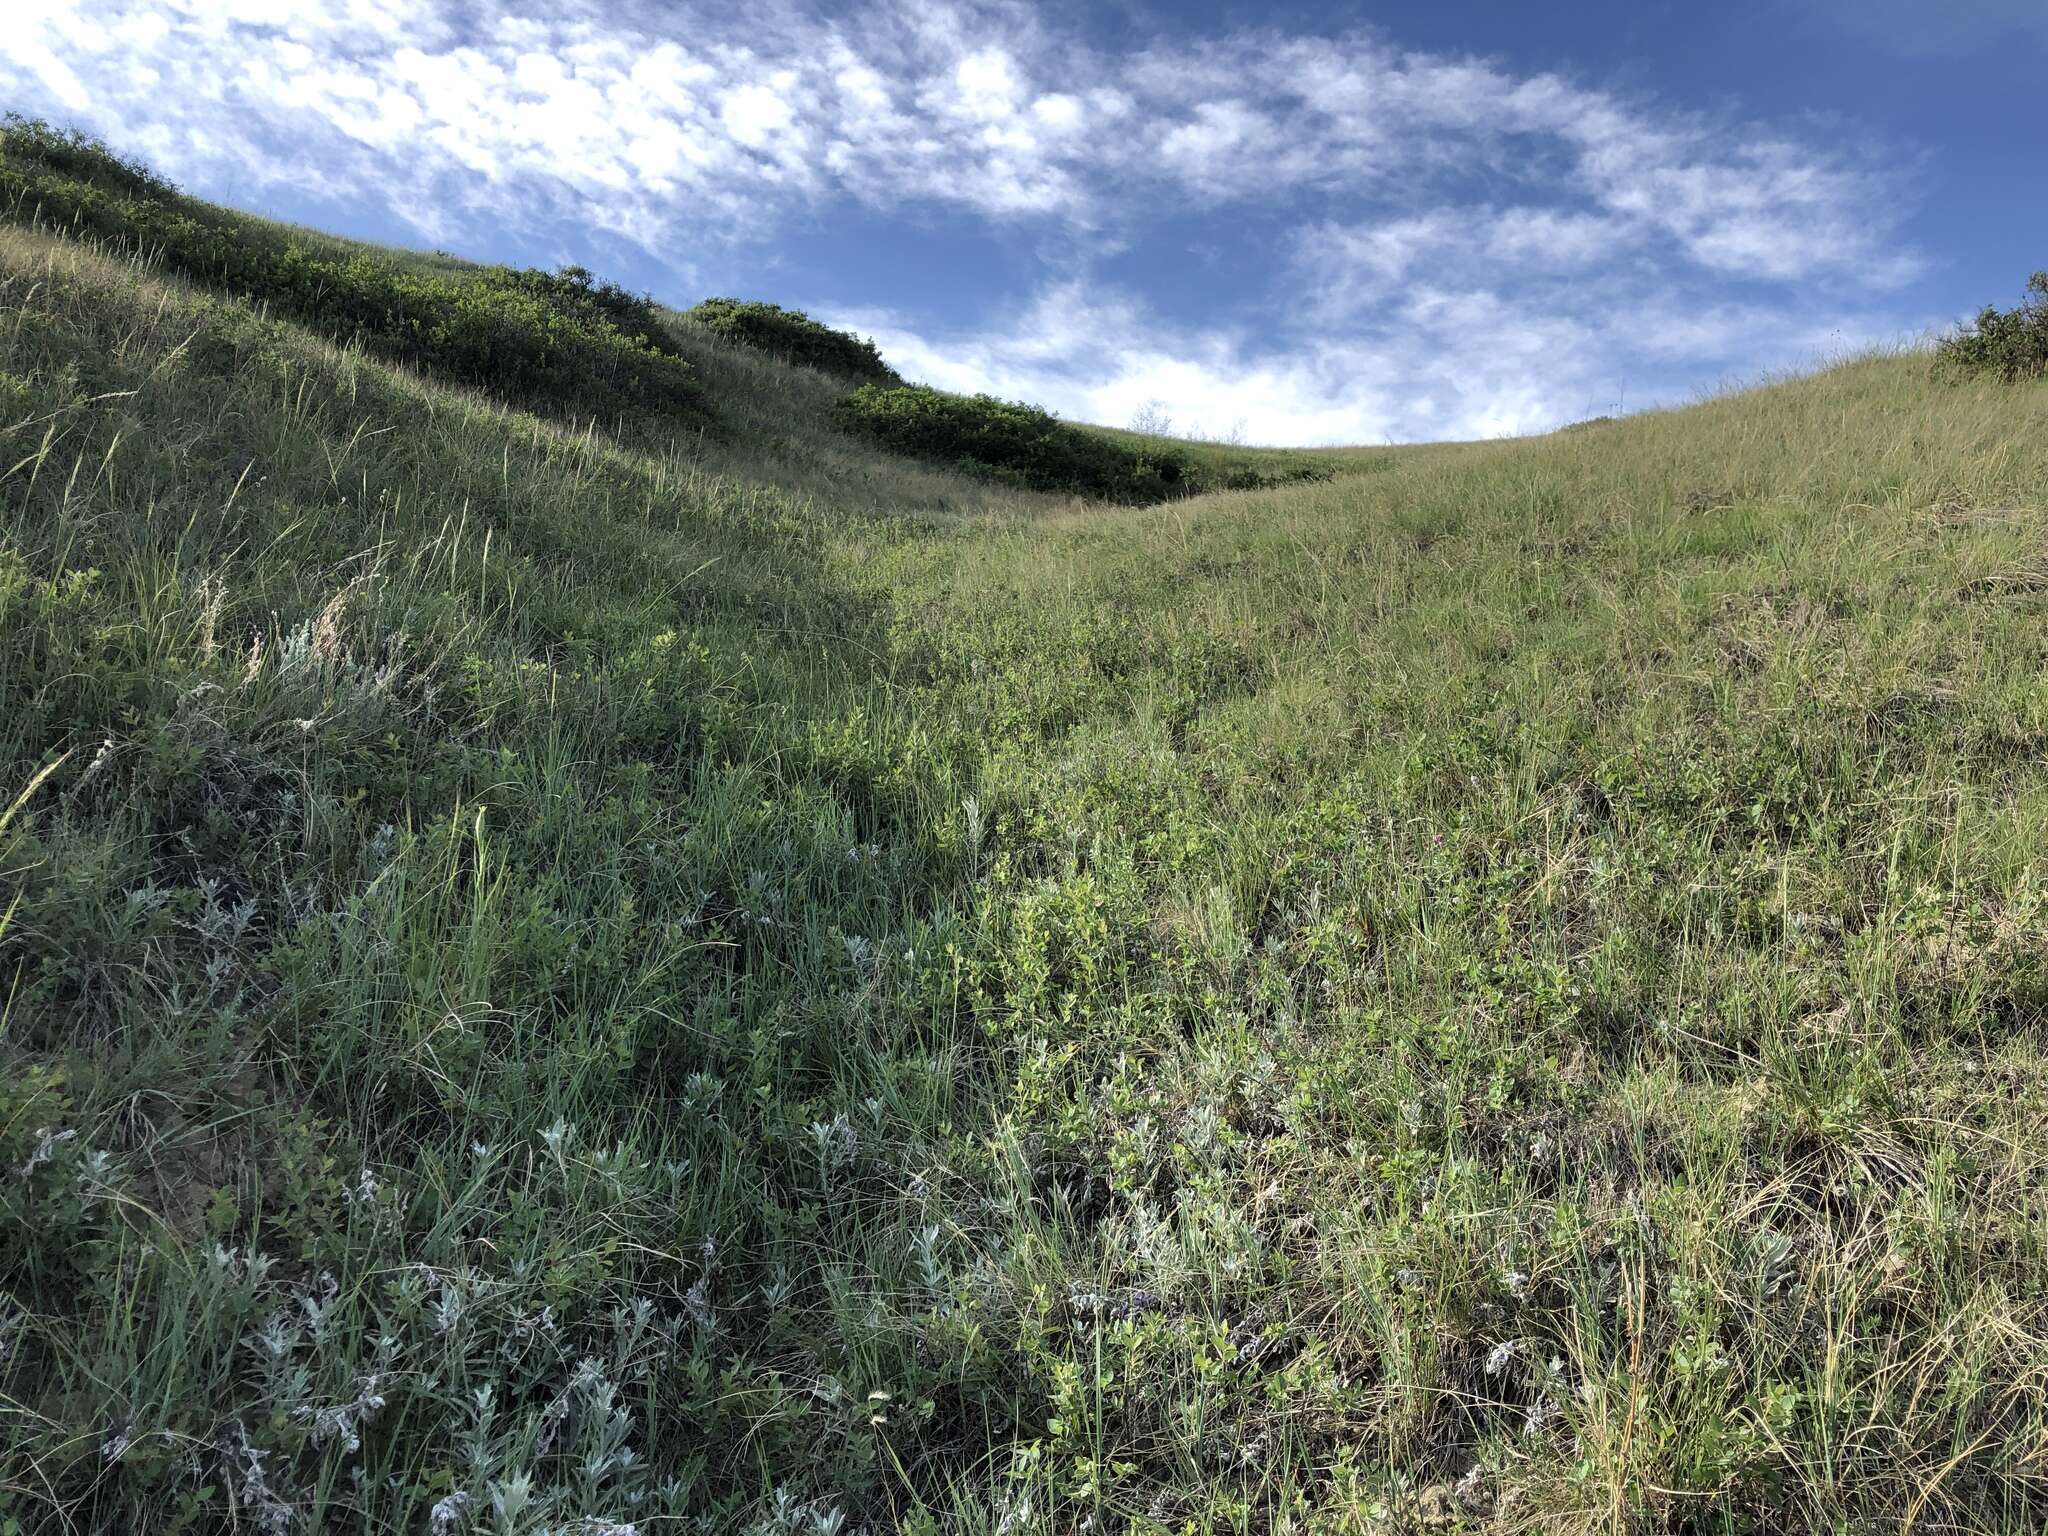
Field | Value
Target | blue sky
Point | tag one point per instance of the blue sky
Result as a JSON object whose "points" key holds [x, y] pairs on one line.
{"points": [[1441, 218]]}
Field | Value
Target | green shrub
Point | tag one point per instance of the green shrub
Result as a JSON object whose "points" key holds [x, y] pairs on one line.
{"points": [[1010, 441], [32, 143], [559, 341], [1019, 444], [795, 337], [2012, 343]]}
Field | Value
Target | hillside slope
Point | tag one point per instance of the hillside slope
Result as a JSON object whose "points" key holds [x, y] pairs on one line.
{"points": [[560, 983]]}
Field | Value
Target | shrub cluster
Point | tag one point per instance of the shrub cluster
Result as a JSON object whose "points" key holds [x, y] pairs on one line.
{"points": [[561, 341], [1009, 441], [795, 337], [1024, 445], [2012, 343]]}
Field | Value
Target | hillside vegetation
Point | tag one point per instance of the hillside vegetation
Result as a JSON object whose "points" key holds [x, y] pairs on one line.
{"points": [[566, 980], [792, 336], [561, 342], [2011, 344], [1026, 446]]}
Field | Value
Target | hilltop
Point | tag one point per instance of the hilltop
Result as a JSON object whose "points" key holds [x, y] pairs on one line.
{"points": [[585, 948]]}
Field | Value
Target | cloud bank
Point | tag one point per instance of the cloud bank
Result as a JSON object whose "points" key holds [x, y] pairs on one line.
{"points": [[1441, 246]]}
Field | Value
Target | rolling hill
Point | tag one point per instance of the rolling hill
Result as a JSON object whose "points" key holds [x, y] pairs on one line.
{"points": [[582, 950]]}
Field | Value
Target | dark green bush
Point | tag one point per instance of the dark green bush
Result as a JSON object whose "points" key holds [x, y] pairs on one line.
{"points": [[1010, 441], [30, 143], [558, 341], [2011, 343], [795, 337]]}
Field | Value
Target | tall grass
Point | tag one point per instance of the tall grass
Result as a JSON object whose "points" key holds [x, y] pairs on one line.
{"points": [[550, 986]]}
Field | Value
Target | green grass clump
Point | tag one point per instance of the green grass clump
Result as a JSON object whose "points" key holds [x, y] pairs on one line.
{"points": [[558, 342], [792, 336], [550, 982], [2011, 344]]}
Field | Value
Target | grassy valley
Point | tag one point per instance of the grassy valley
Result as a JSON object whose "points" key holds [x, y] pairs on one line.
{"points": [[586, 948]]}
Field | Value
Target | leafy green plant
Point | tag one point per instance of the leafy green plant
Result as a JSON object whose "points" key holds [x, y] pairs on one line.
{"points": [[794, 337], [2011, 344]]}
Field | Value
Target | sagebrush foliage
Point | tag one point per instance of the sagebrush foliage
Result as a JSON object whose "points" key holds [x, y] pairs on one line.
{"points": [[559, 342], [794, 337], [2009, 343]]}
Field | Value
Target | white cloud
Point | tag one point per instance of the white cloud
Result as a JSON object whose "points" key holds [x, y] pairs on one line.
{"points": [[57, 78], [1059, 112], [973, 105], [1444, 363], [682, 127], [1346, 270], [987, 83], [753, 114]]}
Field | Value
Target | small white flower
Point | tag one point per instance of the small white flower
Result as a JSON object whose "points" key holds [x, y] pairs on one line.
{"points": [[448, 1512], [1498, 1357], [272, 1513], [557, 1136], [1471, 1489], [697, 1301], [48, 1140]]}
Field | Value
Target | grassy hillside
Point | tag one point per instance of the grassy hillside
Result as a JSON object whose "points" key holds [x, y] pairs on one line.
{"points": [[727, 982], [561, 343]]}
